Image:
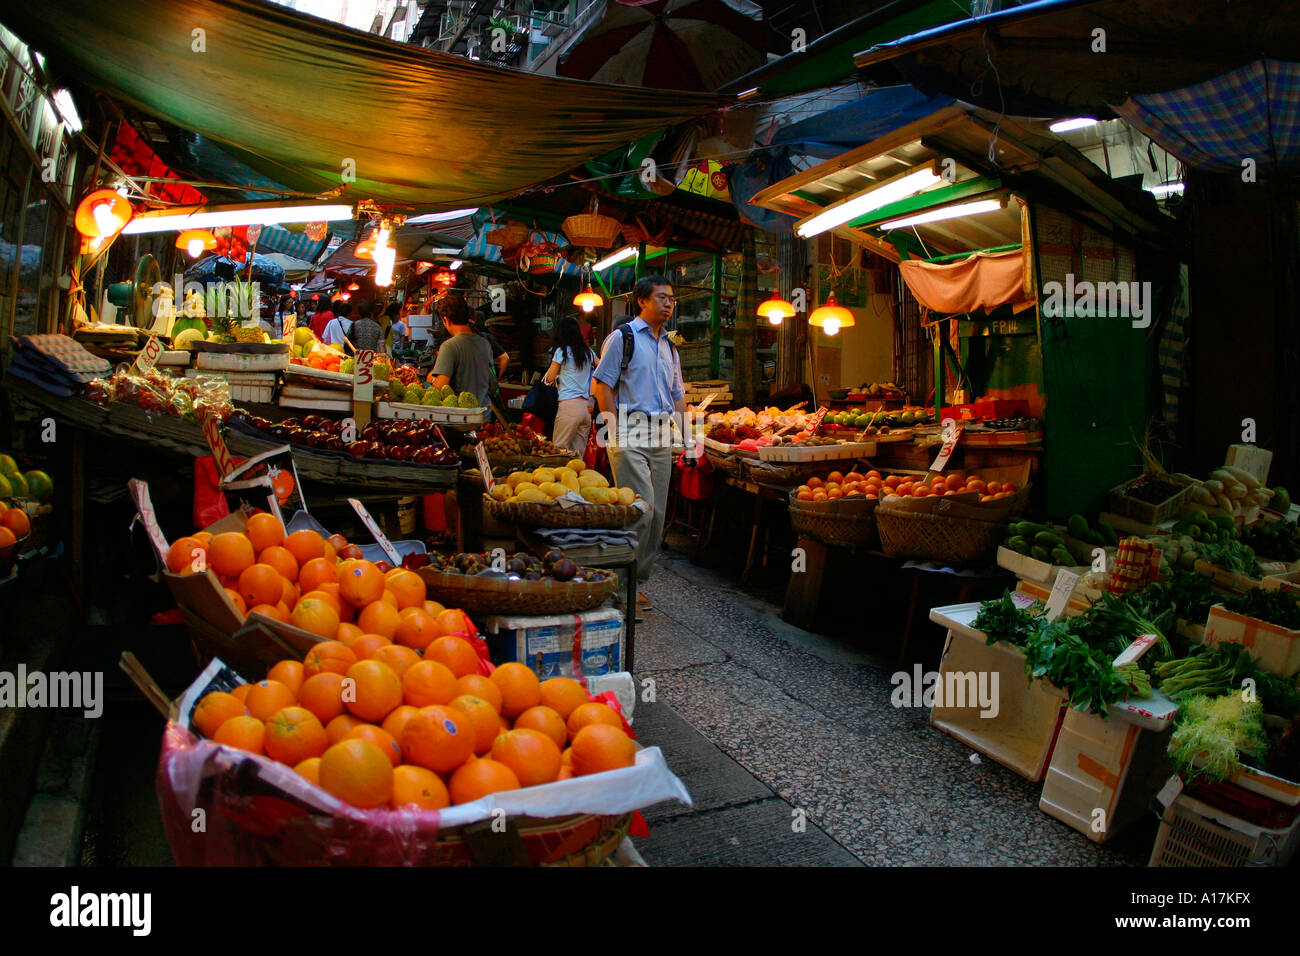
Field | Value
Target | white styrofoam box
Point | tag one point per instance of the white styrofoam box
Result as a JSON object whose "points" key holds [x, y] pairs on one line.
{"points": [[1251, 459], [524, 638], [1027, 567], [339, 405], [242, 361], [1193, 833], [180, 357], [1277, 648], [1022, 732], [848, 450], [1103, 774], [1282, 582], [434, 413], [1077, 604]]}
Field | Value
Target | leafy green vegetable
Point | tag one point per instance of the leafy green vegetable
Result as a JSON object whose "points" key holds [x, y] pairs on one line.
{"points": [[1211, 734], [1189, 594], [1275, 539], [1220, 669], [1057, 654], [1002, 620], [1276, 607], [1231, 555]]}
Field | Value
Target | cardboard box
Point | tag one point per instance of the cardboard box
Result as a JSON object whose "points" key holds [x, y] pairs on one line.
{"points": [[552, 646], [1277, 648]]}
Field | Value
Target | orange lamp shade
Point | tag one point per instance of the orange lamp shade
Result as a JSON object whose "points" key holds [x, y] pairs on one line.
{"points": [[196, 241], [101, 214], [353, 287], [365, 249], [774, 310], [832, 316], [587, 299]]}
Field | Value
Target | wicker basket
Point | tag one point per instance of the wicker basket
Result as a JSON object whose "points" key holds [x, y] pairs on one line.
{"points": [[935, 537], [513, 234], [479, 595], [592, 230], [730, 465], [544, 514], [842, 523]]}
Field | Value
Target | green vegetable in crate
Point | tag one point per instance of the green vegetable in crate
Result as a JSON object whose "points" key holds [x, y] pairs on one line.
{"points": [[1281, 500], [1018, 544], [1029, 529], [1275, 607], [1108, 532], [1077, 526], [1039, 553], [1049, 539], [1211, 734], [1002, 621], [1061, 556]]}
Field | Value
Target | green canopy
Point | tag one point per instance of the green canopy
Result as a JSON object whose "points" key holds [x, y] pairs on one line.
{"points": [[317, 106]]}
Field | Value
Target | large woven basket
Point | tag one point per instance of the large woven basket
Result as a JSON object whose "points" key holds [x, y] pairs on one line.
{"points": [[842, 523], [479, 595], [509, 236], [546, 514], [935, 537], [592, 230]]}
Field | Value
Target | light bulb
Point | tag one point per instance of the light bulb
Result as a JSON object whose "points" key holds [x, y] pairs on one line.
{"points": [[194, 247], [588, 307], [774, 318], [832, 326], [107, 220]]}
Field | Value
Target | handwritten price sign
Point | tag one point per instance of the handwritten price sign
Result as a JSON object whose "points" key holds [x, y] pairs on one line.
{"points": [[951, 433], [480, 452], [289, 324], [380, 538], [363, 376], [149, 354], [217, 444], [144, 507], [1062, 588]]}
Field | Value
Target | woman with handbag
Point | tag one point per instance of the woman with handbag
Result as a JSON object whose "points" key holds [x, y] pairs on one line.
{"points": [[571, 368]]}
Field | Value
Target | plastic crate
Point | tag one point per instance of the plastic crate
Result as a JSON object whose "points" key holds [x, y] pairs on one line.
{"points": [[1195, 834]]}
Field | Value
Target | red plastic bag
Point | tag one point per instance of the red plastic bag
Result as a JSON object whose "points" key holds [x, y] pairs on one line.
{"points": [[534, 424], [595, 457], [695, 478], [209, 500]]}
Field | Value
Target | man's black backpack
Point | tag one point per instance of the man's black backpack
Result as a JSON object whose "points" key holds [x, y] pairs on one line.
{"points": [[629, 344]]}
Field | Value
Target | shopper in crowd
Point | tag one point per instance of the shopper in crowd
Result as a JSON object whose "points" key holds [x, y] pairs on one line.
{"points": [[648, 390], [324, 315], [570, 372], [500, 357], [465, 358], [338, 329], [366, 333], [394, 325]]}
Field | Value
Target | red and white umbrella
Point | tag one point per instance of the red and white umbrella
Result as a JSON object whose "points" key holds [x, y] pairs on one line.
{"points": [[692, 45]]}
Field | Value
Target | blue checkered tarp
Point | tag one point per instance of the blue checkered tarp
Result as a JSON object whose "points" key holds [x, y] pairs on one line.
{"points": [[290, 243], [1251, 113]]}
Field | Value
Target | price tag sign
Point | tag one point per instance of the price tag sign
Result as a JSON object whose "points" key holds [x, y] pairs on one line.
{"points": [[951, 433], [1061, 591], [1135, 650], [814, 422], [144, 507], [288, 325], [149, 354], [363, 376], [480, 452], [381, 539], [1170, 791], [216, 444], [1022, 601]]}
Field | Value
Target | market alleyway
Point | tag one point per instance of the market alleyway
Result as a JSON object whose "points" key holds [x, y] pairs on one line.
{"points": [[761, 719]]}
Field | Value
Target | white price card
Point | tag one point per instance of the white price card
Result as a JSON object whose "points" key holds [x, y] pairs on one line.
{"points": [[144, 507], [1170, 791], [149, 354], [1061, 591], [1135, 650], [480, 452], [381, 539], [363, 376], [951, 433], [814, 422]]}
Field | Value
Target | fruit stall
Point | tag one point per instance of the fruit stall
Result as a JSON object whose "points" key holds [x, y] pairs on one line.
{"points": [[1161, 643]]}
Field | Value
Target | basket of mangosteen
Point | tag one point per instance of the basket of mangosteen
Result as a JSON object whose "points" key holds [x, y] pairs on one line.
{"points": [[520, 583]]}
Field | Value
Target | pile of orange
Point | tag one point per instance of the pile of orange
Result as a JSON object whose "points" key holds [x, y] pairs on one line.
{"points": [[872, 485], [376, 724], [14, 526]]}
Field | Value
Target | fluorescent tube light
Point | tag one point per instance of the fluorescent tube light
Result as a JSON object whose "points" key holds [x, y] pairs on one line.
{"points": [[456, 264], [67, 110], [627, 252], [945, 212], [1164, 189], [881, 194], [441, 216], [200, 218], [1064, 126]]}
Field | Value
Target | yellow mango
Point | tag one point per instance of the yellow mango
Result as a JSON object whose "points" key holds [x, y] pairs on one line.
{"points": [[516, 477], [592, 479], [525, 486], [595, 495], [569, 479], [532, 494], [543, 475], [626, 496], [553, 489], [501, 491], [576, 465]]}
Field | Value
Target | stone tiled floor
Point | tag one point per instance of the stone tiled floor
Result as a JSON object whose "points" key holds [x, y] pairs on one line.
{"points": [[808, 720]]}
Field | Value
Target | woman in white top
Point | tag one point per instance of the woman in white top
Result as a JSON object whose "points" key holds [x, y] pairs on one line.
{"points": [[571, 368]]}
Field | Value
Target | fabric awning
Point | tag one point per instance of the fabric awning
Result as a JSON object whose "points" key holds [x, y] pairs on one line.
{"points": [[312, 104], [979, 283], [1253, 112]]}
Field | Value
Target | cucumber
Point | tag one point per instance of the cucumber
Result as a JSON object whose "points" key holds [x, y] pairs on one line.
{"points": [[1224, 521], [1108, 532], [1018, 544], [1183, 526], [1029, 528], [1077, 526], [1049, 539], [1041, 553], [1061, 556], [1095, 538]]}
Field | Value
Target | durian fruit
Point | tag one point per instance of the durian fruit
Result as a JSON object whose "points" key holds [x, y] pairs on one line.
{"points": [[467, 400]]}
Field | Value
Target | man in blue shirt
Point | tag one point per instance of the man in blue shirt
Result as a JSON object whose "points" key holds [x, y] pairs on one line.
{"points": [[637, 407]]}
